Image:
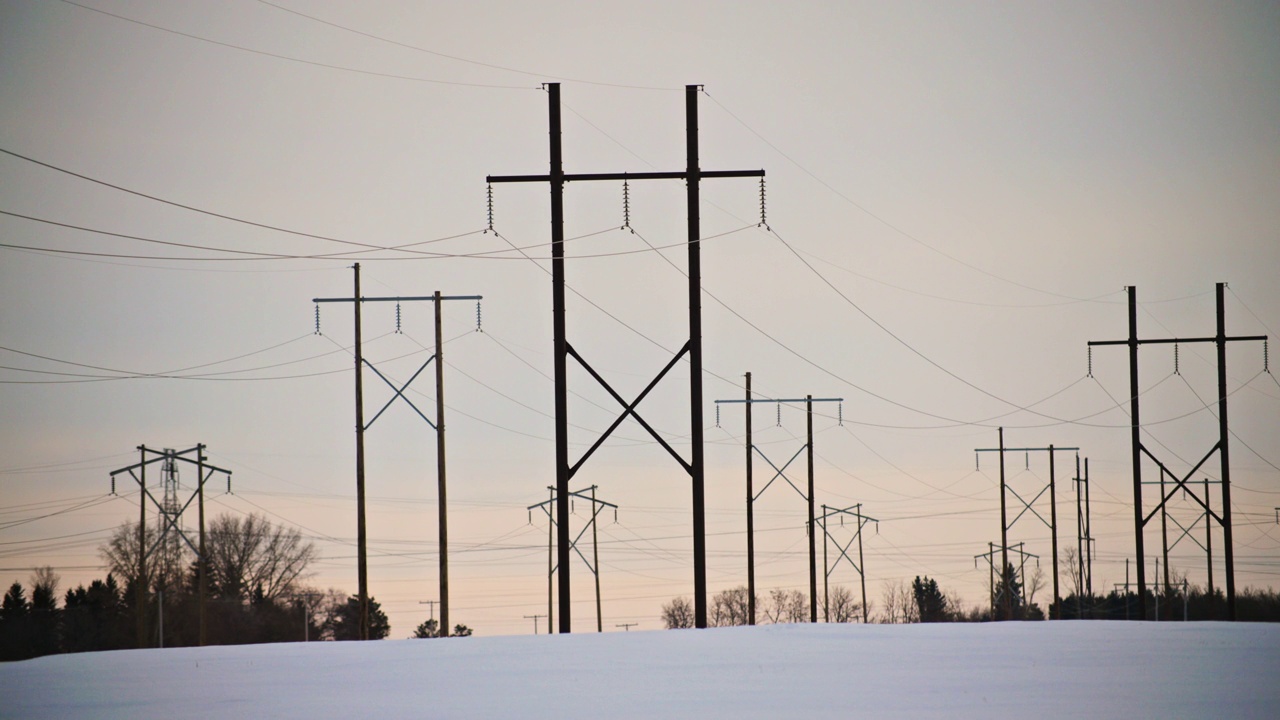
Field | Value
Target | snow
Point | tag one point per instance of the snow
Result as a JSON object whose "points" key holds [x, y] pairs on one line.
{"points": [[996, 670]]}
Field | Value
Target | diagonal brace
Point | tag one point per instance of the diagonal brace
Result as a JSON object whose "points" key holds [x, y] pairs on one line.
{"points": [[399, 392], [1181, 483], [779, 473]]}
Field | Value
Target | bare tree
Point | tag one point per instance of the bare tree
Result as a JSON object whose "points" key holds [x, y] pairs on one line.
{"points": [[786, 606], [165, 565], [248, 555], [1075, 583], [841, 607], [730, 607], [678, 614], [899, 604], [1033, 584]]}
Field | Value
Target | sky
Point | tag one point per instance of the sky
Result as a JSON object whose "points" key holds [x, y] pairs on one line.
{"points": [[957, 195]]}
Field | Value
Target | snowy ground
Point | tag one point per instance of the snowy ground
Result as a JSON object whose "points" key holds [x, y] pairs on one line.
{"points": [[1008, 670]]}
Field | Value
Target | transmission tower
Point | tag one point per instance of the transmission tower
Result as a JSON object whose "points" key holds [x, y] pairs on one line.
{"points": [[357, 301], [1051, 523], [695, 466], [170, 516], [855, 512], [589, 495], [1006, 598], [1220, 339], [779, 472]]}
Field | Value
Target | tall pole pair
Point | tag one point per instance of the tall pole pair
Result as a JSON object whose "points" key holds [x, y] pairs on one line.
{"points": [[594, 563], [695, 465], [1052, 522], [169, 523], [780, 472], [1222, 447], [362, 566]]}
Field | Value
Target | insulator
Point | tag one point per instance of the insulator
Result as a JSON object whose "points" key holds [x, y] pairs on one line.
{"points": [[779, 414], [977, 464], [229, 485], [317, 318], [1175, 359], [717, 415], [1090, 361], [490, 203], [572, 511], [763, 224], [1028, 461], [626, 204], [1266, 366], [841, 521], [530, 513], [877, 527], [615, 515], [113, 484], [478, 327], [840, 413], [397, 317]]}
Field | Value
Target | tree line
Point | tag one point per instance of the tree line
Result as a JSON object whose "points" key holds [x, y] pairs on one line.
{"points": [[255, 573]]}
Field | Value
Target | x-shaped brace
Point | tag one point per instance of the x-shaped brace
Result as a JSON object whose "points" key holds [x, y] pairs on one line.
{"points": [[399, 393], [779, 472]]}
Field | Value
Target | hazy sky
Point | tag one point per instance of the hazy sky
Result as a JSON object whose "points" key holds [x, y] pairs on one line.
{"points": [[957, 194]]}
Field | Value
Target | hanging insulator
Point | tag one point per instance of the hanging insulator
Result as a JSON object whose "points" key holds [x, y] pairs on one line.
{"points": [[763, 224], [1090, 361], [977, 466], [113, 484], [229, 485], [1028, 461], [779, 414], [717, 414], [478, 327], [1175, 359], [615, 516], [490, 193], [626, 206], [1266, 366], [840, 413], [317, 318], [530, 513], [572, 511], [397, 317], [877, 527], [842, 521]]}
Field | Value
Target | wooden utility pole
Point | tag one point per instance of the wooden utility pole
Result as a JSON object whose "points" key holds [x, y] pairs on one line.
{"points": [[695, 466], [357, 300]]}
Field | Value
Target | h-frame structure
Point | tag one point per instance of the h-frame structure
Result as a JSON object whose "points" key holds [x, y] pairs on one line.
{"points": [[855, 512], [594, 563], [357, 301], [779, 472], [170, 517], [1222, 447], [557, 178]]}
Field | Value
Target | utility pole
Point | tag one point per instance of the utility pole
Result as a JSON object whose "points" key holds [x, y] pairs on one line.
{"points": [[362, 565], [1222, 447], [170, 514], [534, 618], [431, 607], [1051, 523], [1005, 595], [627, 626], [695, 466], [306, 599], [592, 565], [807, 448], [855, 512]]}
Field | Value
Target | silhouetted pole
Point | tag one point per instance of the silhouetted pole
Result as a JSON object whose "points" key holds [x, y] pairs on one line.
{"points": [[1164, 533], [1224, 455], [1079, 542], [1006, 601], [751, 534], [1135, 426], [362, 563], [1088, 531], [551, 525], [595, 558], [534, 618], [556, 177], [826, 574], [862, 575], [697, 466], [202, 566], [991, 577], [1053, 519], [1208, 545], [142, 551], [813, 556], [440, 476]]}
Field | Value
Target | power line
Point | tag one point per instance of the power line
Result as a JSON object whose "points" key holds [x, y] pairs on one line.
{"points": [[298, 60]]}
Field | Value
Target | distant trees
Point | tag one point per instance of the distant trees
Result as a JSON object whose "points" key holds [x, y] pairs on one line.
{"points": [[786, 606], [841, 607], [931, 604], [343, 622], [678, 614], [729, 607], [431, 629]]}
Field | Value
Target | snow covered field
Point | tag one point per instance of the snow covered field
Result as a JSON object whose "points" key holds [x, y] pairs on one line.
{"points": [[1006, 670]]}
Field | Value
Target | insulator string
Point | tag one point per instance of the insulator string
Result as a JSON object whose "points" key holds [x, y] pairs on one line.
{"points": [[317, 319], [489, 191]]}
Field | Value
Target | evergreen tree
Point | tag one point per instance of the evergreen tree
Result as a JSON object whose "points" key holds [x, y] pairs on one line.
{"points": [[931, 604], [344, 620], [45, 616], [15, 624]]}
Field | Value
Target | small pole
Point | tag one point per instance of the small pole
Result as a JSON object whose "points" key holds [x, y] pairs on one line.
{"points": [[862, 566], [751, 540], [203, 565], [1006, 600], [1053, 520], [1088, 532], [440, 477], [362, 563], [991, 576], [1157, 594], [534, 618], [595, 558], [1208, 545], [1164, 533], [142, 550], [1079, 542], [551, 505], [826, 572], [813, 557]]}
